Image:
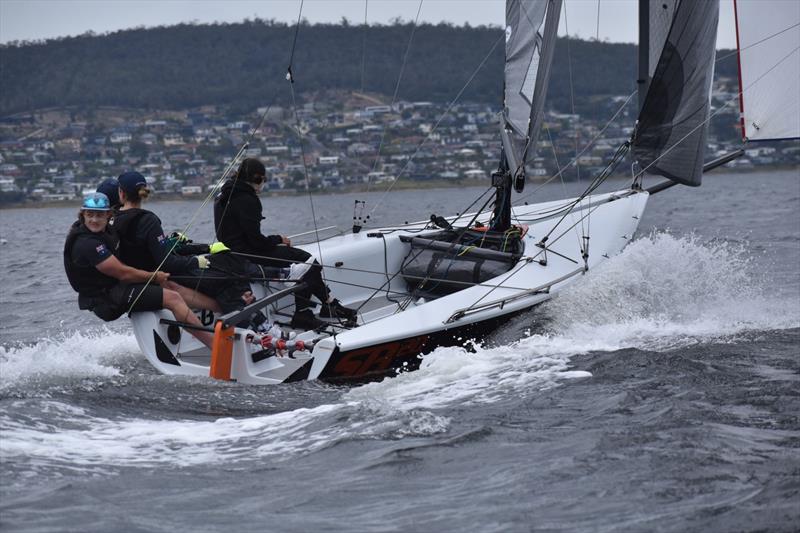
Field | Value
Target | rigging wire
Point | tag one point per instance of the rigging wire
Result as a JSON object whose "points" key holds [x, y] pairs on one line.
{"points": [[396, 91], [558, 167], [733, 53], [572, 108], [585, 148], [715, 113], [597, 31], [444, 114], [290, 79], [364, 46]]}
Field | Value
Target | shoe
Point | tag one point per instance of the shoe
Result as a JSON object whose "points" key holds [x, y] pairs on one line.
{"points": [[306, 321], [335, 309]]}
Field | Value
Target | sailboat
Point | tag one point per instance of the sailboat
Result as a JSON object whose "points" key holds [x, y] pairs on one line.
{"points": [[438, 282]]}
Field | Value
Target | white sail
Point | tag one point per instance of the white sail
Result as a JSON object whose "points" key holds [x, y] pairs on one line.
{"points": [[768, 35]]}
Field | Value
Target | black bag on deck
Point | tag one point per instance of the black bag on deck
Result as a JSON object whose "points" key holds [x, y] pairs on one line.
{"points": [[437, 265]]}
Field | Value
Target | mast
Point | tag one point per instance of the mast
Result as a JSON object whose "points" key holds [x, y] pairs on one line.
{"points": [[531, 27], [643, 82]]}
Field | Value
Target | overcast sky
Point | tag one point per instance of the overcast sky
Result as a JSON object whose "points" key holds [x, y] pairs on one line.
{"points": [[44, 19]]}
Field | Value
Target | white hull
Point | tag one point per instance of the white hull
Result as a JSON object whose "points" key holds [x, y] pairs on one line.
{"points": [[387, 337]]}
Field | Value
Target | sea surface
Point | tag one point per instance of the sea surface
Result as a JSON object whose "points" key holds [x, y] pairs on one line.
{"points": [[661, 393]]}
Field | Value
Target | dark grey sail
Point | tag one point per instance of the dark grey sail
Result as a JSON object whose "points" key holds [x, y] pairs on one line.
{"points": [[671, 131], [531, 27]]}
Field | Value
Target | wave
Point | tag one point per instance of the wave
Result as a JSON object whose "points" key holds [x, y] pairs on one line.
{"points": [[71, 356], [662, 293]]}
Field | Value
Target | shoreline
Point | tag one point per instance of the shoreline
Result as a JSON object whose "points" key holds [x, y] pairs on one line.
{"points": [[403, 185]]}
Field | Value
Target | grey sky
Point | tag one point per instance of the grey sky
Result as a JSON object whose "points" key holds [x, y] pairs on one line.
{"points": [[44, 19]]}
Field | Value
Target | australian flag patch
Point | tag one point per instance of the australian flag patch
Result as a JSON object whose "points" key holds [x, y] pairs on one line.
{"points": [[101, 250]]}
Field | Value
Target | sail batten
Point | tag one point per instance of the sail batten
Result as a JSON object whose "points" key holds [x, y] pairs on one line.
{"points": [[768, 39], [671, 129]]}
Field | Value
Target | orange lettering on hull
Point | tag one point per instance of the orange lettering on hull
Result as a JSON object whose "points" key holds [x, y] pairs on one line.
{"points": [[376, 359]]}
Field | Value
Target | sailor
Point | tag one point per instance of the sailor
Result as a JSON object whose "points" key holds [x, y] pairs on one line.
{"points": [[105, 285], [237, 218], [144, 244]]}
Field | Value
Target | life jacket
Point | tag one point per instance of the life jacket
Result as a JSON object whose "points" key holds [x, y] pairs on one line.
{"points": [[133, 250], [85, 279]]}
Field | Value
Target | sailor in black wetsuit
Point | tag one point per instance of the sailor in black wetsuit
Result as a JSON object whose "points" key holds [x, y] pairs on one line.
{"points": [[108, 287], [237, 218], [143, 244]]}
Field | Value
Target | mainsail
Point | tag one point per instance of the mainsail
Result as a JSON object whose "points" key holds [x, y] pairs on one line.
{"points": [[671, 130], [768, 38], [531, 27]]}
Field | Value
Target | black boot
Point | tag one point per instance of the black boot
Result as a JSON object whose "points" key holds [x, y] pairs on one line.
{"points": [[305, 320], [336, 310]]}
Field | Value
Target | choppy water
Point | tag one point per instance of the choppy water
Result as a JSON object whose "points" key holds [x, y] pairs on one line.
{"points": [[660, 394]]}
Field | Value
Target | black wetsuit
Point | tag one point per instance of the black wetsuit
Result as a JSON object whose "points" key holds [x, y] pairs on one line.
{"points": [[144, 244], [106, 297], [237, 218]]}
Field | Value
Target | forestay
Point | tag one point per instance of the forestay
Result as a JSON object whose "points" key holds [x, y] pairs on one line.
{"points": [[768, 37], [531, 27], [671, 130]]}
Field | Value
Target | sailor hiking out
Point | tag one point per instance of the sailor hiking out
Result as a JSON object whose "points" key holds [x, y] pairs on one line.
{"points": [[145, 245], [105, 285]]}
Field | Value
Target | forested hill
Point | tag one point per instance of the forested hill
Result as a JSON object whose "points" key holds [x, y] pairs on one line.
{"points": [[244, 65]]}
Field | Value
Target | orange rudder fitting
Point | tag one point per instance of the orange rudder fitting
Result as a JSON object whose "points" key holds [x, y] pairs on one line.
{"points": [[221, 352]]}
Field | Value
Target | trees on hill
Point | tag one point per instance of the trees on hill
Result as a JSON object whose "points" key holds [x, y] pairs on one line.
{"points": [[243, 66]]}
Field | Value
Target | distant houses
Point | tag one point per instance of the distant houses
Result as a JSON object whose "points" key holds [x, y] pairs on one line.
{"points": [[185, 153]]}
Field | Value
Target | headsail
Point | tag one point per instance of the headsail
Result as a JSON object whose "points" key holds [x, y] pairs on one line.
{"points": [[768, 38], [671, 131], [531, 27]]}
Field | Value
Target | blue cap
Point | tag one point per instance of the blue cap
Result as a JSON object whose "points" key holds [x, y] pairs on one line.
{"points": [[110, 187], [130, 182], [96, 201]]}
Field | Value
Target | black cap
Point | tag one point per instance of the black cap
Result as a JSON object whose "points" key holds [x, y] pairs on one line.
{"points": [[130, 182], [110, 187]]}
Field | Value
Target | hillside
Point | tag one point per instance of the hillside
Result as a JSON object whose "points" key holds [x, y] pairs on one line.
{"points": [[243, 66]]}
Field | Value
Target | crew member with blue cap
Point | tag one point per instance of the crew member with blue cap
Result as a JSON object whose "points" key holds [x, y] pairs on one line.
{"points": [[105, 285]]}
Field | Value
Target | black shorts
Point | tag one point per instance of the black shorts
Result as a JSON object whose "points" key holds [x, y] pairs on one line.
{"points": [[118, 300]]}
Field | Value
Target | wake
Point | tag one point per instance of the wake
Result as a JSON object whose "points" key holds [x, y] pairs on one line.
{"points": [[662, 293]]}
